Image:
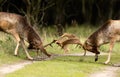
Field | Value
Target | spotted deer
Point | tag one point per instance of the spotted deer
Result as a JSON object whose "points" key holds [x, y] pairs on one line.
{"points": [[107, 33], [21, 30]]}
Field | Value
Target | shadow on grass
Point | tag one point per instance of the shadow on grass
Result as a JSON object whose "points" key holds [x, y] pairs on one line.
{"points": [[80, 59], [90, 59]]}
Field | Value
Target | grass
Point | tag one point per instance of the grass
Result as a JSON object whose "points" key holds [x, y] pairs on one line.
{"points": [[67, 66], [59, 67]]}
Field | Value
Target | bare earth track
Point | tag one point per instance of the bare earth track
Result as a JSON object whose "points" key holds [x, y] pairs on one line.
{"points": [[107, 72], [11, 68]]}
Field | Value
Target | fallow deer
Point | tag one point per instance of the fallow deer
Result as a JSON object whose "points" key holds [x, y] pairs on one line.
{"points": [[108, 33], [21, 30], [65, 40]]}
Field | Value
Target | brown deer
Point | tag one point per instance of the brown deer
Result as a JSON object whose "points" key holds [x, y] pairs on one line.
{"points": [[65, 40], [108, 33], [18, 27]]}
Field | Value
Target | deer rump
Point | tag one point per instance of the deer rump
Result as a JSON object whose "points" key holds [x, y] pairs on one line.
{"points": [[108, 33], [19, 28]]}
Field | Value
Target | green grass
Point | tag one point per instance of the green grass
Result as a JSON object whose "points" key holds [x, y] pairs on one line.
{"points": [[67, 66], [58, 67]]}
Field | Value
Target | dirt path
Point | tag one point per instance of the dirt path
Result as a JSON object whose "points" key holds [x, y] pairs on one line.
{"points": [[13, 67], [107, 72]]}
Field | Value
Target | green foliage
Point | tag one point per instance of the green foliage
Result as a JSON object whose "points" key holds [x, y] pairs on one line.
{"points": [[63, 11], [82, 31]]}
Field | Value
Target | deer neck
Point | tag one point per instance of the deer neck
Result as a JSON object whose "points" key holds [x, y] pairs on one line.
{"points": [[33, 39], [96, 39]]}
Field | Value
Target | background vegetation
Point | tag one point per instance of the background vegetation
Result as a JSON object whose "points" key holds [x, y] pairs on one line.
{"points": [[54, 12]]}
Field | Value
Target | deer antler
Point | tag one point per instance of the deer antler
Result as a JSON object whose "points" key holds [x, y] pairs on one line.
{"points": [[65, 40], [50, 43]]}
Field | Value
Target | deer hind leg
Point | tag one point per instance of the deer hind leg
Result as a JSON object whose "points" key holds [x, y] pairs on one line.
{"points": [[23, 45], [38, 53], [110, 51]]}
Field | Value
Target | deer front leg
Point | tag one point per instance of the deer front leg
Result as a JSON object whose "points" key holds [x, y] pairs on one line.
{"points": [[16, 49], [44, 51], [23, 45], [110, 51], [18, 42], [96, 57], [96, 53]]}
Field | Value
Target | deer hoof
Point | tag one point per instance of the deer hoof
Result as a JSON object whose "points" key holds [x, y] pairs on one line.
{"points": [[30, 58], [96, 59], [106, 62], [16, 55], [49, 55]]}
